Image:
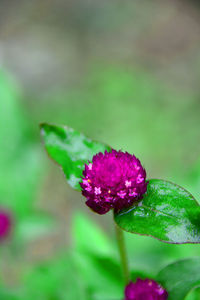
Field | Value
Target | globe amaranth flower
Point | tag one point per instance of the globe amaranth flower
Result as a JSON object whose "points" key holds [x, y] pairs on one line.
{"points": [[5, 224], [145, 290], [113, 180]]}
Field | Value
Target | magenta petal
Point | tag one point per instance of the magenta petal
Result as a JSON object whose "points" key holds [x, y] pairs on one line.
{"points": [[99, 209]]}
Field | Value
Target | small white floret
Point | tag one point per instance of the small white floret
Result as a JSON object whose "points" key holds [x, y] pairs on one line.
{"points": [[127, 183], [97, 190], [90, 166]]}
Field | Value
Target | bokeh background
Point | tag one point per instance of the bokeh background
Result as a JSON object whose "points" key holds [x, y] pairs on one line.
{"points": [[123, 72]]}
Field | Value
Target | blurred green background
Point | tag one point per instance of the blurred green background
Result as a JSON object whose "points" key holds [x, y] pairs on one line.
{"points": [[123, 72]]}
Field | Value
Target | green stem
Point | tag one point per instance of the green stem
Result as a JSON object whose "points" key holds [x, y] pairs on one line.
{"points": [[122, 252]]}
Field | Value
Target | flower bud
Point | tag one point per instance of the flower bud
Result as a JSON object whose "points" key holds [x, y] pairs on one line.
{"points": [[145, 290], [113, 180]]}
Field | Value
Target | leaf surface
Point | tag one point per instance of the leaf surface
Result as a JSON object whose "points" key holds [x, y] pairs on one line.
{"points": [[70, 149], [181, 277], [167, 212]]}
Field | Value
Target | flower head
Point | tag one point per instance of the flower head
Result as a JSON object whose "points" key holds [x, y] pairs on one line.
{"points": [[145, 290], [113, 180], [5, 224]]}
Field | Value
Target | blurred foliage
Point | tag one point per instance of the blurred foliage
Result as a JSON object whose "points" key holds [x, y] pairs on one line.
{"points": [[21, 166], [132, 111], [181, 277], [19, 155], [127, 109], [50, 46], [81, 272]]}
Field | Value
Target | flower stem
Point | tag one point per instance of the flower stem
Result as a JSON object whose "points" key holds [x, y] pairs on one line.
{"points": [[122, 252]]}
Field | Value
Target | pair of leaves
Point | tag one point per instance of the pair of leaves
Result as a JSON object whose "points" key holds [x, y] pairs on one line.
{"points": [[167, 211]]}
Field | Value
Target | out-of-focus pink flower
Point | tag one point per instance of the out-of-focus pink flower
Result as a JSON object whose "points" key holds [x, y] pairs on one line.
{"points": [[5, 224], [145, 290]]}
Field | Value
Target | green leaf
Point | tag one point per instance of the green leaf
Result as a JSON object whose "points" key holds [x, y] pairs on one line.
{"points": [[194, 294], [70, 149], [167, 212], [181, 277]]}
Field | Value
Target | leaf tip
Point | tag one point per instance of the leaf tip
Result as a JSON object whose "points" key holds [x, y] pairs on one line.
{"points": [[45, 128]]}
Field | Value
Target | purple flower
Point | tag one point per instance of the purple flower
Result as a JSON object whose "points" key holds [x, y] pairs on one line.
{"points": [[113, 180], [5, 225], [145, 290]]}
